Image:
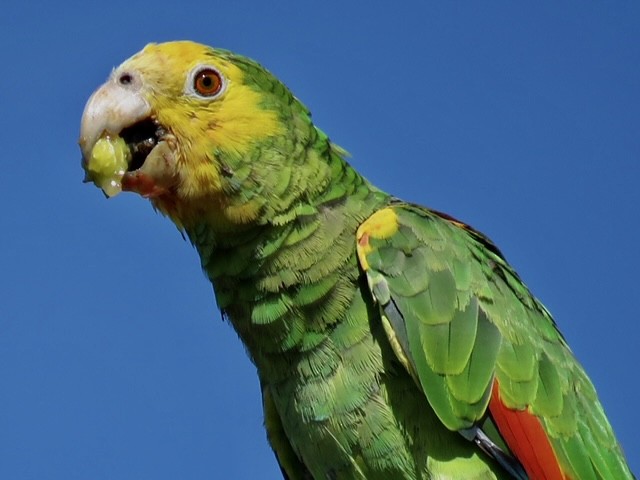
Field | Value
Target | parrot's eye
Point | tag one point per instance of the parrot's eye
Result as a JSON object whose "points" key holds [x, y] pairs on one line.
{"points": [[207, 82]]}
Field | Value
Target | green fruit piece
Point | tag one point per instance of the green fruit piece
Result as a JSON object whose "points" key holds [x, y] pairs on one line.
{"points": [[108, 163]]}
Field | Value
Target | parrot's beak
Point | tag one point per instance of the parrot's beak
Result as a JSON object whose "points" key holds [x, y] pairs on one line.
{"points": [[123, 146]]}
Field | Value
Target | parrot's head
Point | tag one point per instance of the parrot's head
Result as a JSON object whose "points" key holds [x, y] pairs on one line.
{"points": [[192, 128]]}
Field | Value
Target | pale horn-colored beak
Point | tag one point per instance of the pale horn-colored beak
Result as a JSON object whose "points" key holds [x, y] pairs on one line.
{"points": [[116, 105]]}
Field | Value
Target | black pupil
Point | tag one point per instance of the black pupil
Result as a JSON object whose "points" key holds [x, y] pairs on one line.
{"points": [[125, 79], [207, 80]]}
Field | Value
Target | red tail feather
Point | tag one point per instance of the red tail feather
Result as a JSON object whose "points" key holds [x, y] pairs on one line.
{"points": [[523, 433]]}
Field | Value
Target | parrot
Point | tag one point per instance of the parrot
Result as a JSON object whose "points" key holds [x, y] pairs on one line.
{"points": [[390, 340]]}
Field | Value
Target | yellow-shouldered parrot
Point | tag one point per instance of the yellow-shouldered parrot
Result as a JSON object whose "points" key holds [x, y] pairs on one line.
{"points": [[391, 341]]}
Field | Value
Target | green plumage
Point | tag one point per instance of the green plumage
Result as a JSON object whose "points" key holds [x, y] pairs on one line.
{"points": [[382, 332], [295, 293], [463, 333], [339, 399]]}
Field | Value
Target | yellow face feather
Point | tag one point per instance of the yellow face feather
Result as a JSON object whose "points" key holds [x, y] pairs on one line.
{"points": [[228, 124]]}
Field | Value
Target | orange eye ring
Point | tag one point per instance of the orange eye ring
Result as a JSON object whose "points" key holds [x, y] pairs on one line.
{"points": [[207, 82]]}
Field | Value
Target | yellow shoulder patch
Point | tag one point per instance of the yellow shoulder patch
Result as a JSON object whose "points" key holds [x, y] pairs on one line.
{"points": [[382, 224]]}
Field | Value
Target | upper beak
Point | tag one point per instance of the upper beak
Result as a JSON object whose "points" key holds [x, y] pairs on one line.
{"points": [[113, 107], [115, 160]]}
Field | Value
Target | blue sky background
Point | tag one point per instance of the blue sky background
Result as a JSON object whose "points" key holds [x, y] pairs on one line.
{"points": [[521, 120]]}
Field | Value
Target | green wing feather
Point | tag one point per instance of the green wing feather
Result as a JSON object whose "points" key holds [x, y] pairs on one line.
{"points": [[290, 465], [459, 317]]}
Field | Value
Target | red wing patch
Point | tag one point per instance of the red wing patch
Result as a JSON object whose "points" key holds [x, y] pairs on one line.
{"points": [[523, 433]]}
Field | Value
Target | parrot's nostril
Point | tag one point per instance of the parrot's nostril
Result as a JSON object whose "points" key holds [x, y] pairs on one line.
{"points": [[125, 79], [128, 80]]}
